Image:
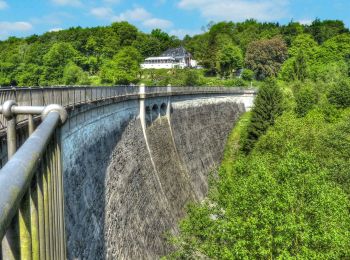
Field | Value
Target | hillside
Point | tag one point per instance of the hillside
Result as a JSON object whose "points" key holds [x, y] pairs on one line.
{"points": [[111, 55]]}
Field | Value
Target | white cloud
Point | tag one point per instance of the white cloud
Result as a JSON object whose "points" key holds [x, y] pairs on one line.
{"points": [[306, 22], [139, 14], [238, 10], [10, 28], [55, 29], [6, 27], [67, 2], [136, 14], [102, 12], [183, 32], [157, 23], [112, 1], [3, 5]]}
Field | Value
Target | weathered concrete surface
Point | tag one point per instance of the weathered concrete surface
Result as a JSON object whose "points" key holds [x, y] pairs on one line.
{"points": [[125, 192], [94, 133]]}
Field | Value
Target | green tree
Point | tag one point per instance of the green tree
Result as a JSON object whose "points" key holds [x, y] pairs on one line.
{"points": [[324, 30], [124, 68], [288, 199], [291, 31], [29, 75], [126, 32], [267, 107], [339, 95], [55, 60], [248, 74], [191, 78], [306, 98], [73, 75], [229, 58]]}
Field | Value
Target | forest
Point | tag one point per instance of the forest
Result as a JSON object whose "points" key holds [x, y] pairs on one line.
{"points": [[231, 54], [283, 188]]}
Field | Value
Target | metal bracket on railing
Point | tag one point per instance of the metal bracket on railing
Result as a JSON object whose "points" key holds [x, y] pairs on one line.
{"points": [[57, 108], [10, 110]]}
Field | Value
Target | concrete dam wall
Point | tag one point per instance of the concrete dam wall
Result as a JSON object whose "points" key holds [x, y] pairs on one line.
{"points": [[131, 167]]}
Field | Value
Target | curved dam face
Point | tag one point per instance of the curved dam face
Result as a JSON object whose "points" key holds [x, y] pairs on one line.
{"points": [[130, 169]]}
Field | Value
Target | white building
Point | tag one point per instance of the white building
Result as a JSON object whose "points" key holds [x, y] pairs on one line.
{"points": [[172, 58]]}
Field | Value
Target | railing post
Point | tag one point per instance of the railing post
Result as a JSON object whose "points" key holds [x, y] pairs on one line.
{"points": [[10, 243], [11, 127], [31, 126]]}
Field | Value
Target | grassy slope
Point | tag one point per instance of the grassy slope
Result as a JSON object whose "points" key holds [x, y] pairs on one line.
{"points": [[232, 149]]}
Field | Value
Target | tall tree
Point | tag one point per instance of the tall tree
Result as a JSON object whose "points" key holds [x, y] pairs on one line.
{"points": [[324, 30], [267, 107], [59, 55], [265, 57], [124, 68], [228, 59], [126, 32]]}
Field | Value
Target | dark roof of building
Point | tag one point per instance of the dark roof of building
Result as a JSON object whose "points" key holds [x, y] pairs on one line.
{"points": [[176, 53]]}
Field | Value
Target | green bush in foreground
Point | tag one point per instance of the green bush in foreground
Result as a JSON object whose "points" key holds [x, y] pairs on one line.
{"points": [[287, 199]]}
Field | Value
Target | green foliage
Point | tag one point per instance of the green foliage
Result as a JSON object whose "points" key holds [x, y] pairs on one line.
{"points": [[55, 60], [296, 68], [306, 98], [248, 74], [123, 69], [319, 52], [304, 43], [339, 95], [74, 75], [191, 78], [267, 107], [288, 199], [324, 30], [229, 59], [331, 72], [127, 33]]}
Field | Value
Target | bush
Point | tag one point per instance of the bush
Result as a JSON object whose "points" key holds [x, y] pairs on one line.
{"points": [[247, 74], [288, 200], [191, 78], [306, 98], [234, 83], [73, 74], [339, 95]]}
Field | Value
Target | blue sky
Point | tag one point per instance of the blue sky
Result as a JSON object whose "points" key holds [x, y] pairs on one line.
{"points": [[179, 17]]}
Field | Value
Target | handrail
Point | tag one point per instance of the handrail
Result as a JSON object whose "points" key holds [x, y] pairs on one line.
{"points": [[16, 175], [31, 186], [72, 96]]}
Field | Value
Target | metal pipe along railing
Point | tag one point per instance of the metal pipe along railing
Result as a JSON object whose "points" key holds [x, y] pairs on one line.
{"points": [[31, 185]]}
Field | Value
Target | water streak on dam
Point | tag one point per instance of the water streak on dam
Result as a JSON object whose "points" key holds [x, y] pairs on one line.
{"points": [[131, 167]]}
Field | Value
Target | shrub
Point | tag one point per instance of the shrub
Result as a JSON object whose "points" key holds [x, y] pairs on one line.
{"points": [[191, 78], [247, 74], [306, 98], [339, 95]]}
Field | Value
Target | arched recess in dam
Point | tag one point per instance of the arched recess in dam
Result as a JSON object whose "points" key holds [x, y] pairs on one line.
{"points": [[131, 167]]}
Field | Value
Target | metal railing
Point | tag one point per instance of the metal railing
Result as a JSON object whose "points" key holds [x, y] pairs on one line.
{"points": [[31, 186], [71, 96]]}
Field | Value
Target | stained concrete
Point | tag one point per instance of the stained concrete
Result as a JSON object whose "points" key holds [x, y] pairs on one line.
{"points": [[127, 187]]}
